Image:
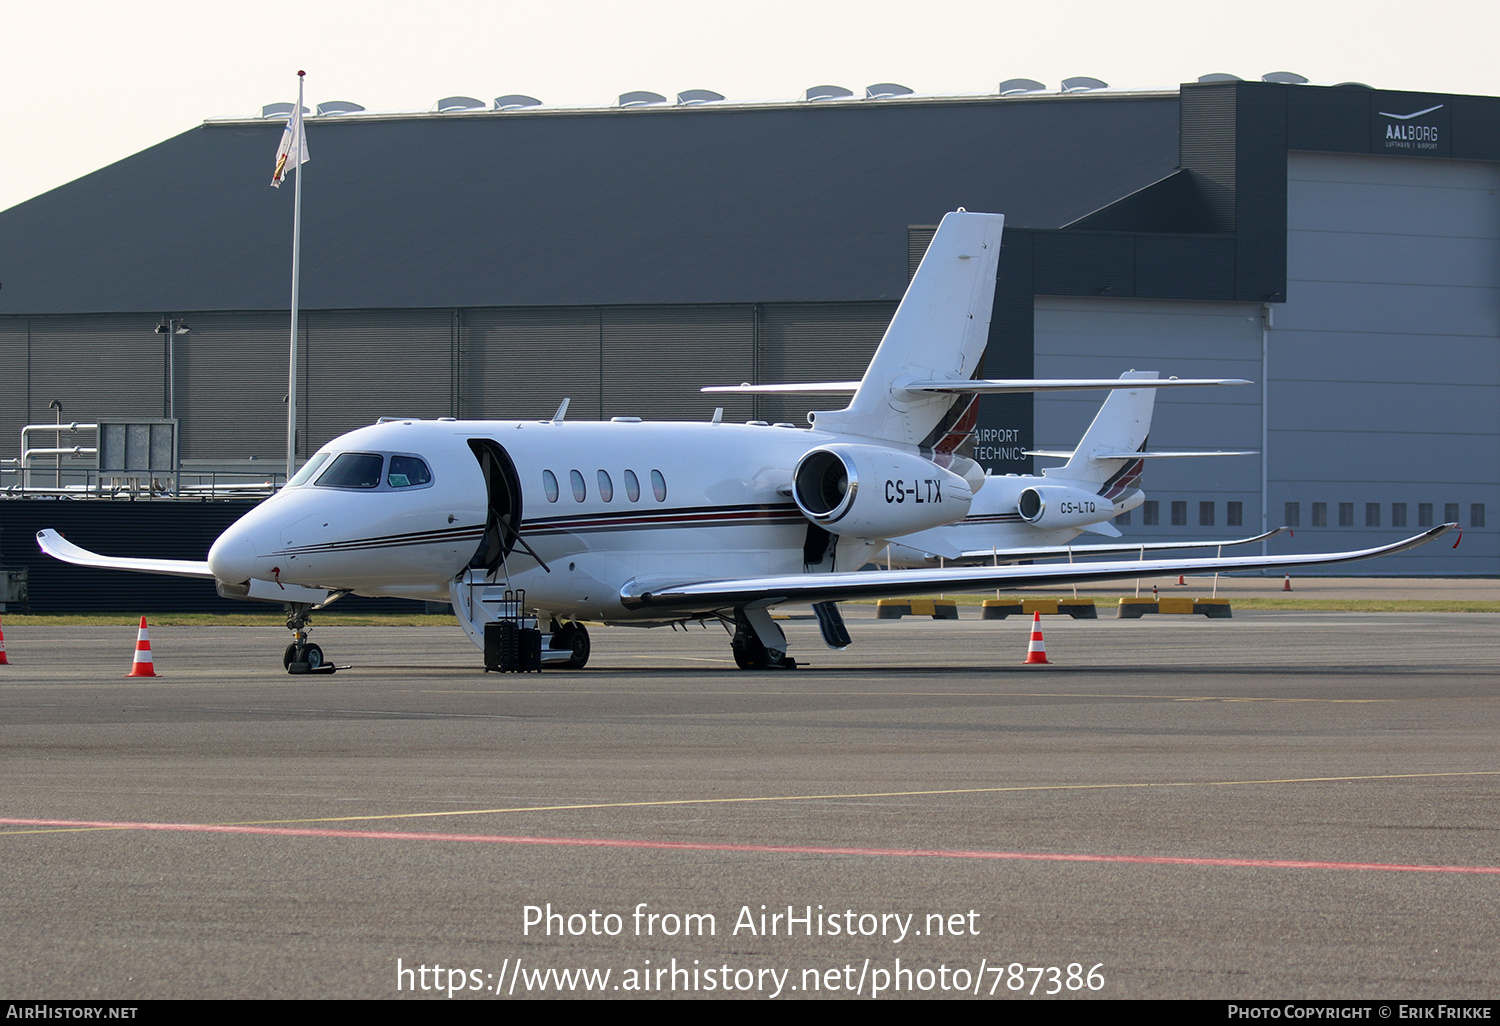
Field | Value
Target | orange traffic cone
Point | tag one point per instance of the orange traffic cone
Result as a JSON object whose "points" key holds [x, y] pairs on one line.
{"points": [[1036, 652], [3, 661], [1286, 585], [1181, 581], [142, 667]]}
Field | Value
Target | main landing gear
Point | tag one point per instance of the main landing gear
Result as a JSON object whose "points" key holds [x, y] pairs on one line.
{"points": [[301, 656], [758, 643]]}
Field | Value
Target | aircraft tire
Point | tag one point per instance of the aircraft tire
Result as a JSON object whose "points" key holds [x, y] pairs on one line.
{"points": [[749, 653], [312, 655], [576, 637]]}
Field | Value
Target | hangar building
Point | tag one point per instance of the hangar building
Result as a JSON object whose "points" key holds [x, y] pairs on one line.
{"points": [[1339, 246]]}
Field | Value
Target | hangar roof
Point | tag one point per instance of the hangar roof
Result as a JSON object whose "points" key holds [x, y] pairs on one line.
{"points": [[707, 204]]}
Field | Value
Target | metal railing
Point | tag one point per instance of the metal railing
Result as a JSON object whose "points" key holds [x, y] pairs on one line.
{"points": [[17, 481]]}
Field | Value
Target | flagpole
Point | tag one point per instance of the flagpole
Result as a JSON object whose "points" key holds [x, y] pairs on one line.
{"points": [[291, 389]]}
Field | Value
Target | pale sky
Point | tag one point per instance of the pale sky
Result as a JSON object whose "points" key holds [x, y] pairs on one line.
{"points": [[85, 83]]}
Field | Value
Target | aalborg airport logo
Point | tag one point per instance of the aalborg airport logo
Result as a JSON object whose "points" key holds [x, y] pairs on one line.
{"points": [[1407, 132]]}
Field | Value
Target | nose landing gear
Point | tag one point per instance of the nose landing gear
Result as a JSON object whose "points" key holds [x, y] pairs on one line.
{"points": [[301, 656], [571, 637]]}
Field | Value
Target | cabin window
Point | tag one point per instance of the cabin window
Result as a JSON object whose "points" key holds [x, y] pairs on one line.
{"points": [[579, 491], [408, 472], [353, 470], [632, 486], [606, 487], [659, 486], [549, 485]]}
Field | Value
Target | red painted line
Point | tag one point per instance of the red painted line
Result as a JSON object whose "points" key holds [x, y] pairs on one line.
{"points": [[786, 849]]}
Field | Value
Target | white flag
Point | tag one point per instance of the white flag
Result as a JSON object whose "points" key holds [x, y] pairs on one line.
{"points": [[292, 153]]}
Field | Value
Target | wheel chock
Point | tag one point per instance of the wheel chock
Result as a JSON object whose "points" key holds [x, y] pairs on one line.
{"points": [[1077, 608], [999, 609], [1214, 609], [300, 668], [896, 608]]}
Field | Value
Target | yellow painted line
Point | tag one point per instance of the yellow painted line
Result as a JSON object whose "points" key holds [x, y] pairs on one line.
{"points": [[810, 798]]}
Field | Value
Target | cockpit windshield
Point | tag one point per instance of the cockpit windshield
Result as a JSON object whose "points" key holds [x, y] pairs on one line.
{"points": [[309, 469], [353, 470], [364, 470]]}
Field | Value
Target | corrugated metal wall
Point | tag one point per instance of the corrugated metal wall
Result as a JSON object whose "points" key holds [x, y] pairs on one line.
{"points": [[1385, 360], [110, 365], [656, 358], [814, 342], [519, 364], [357, 366], [231, 386], [366, 364], [15, 380]]}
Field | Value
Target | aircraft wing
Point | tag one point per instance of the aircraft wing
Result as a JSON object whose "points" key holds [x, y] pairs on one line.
{"points": [[58, 547], [1013, 553], [707, 596]]}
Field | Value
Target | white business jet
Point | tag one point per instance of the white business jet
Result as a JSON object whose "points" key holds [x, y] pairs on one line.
{"points": [[648, 524]]}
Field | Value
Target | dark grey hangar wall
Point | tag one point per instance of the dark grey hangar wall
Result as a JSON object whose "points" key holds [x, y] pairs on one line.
{"points": [[1338, 246]]}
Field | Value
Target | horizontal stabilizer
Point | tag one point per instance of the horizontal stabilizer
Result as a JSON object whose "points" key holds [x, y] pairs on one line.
{"points": [[1000, 386], [1123, 455], [58, 547], [981, 386]]}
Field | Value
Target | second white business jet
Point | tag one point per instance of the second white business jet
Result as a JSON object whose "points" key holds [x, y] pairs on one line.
{"points": [[646, 524]]}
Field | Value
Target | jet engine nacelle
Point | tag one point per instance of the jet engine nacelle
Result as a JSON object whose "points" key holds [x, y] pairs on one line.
{"points": [[1061, 506], [873, 492]]}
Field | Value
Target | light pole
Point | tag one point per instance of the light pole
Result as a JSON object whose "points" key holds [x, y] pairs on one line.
{"points": [[172, 327]]}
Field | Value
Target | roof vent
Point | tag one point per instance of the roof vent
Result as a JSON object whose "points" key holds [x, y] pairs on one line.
{"points": [[516, 101], [690, 97], [826, 92], [449, 104], [1017, 86], [1353, 85], [338, 107], [1287, 77], [279, 110], [641, 98], [1082, 84], [1219, 76], [885, 90]]}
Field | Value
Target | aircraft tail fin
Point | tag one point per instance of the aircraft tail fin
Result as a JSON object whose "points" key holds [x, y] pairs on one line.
{"points": [[1121, 426], [938, 334]]}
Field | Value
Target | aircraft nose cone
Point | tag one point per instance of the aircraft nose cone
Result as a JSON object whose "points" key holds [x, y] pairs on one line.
{"points": [[232, 558]]}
